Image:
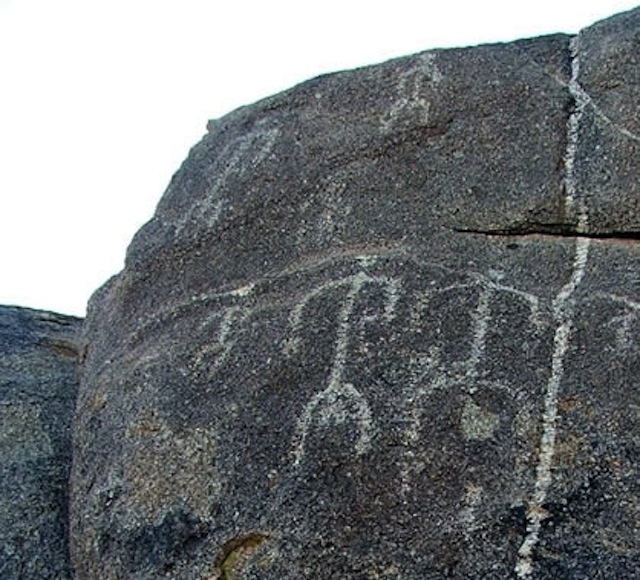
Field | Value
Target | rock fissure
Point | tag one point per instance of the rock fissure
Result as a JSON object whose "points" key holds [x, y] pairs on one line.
{"points": [[553, 231]]}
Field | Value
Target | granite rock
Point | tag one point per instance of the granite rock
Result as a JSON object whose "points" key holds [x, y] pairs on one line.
{"points": [[382, 325], [38, 387]]}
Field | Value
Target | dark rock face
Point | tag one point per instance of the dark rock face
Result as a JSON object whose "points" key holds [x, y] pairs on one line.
{"points": [[38, 387], [384, 325]]}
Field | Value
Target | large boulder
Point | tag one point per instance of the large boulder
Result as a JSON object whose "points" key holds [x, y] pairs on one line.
{"points": [[38, 387], [382, 325]]}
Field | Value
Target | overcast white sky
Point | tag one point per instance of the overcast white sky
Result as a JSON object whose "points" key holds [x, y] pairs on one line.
{"points": [[100, 101]]}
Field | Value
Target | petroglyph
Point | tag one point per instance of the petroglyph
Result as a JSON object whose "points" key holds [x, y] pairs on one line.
{"points": [[478, 423], [243, 291], [481, 318], [365, 255], [586, 98], [471, 502], [577, 90], [355, 283], [475, 422], [214, 318], [623, 323], [225, 321], [411, 101], [340, 401], [181, 309], [232, 160], [337, 404], [458, 369], [328, 219], [564, 310], [473, 297], [487, 290]]}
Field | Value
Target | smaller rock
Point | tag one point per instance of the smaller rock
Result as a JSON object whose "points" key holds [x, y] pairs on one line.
{"points": [[38, 387]]}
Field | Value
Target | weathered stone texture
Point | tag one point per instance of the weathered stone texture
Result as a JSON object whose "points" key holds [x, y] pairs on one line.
{"points": [[38, 387], [383, 325]]}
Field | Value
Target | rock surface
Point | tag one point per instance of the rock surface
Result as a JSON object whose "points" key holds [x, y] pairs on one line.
{"points": [[382, 325], [38, 387]]}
